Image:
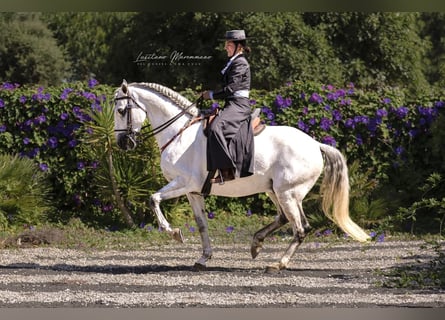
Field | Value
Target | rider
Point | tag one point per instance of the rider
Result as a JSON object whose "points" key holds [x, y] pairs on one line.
{"points": [[230, 145]]}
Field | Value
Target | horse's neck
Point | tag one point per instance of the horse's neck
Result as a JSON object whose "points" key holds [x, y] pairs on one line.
{"points": [[159, 111]]}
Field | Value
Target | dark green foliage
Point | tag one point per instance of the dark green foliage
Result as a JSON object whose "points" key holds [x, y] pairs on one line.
{"points": [[90, 39], [376, 48], [29, 52]]}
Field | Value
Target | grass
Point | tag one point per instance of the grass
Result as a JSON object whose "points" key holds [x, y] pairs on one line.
{"points": [[224, 228]]}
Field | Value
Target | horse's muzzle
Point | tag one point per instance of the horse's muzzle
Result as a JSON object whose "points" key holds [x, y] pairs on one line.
{"points": [[126, 141]]}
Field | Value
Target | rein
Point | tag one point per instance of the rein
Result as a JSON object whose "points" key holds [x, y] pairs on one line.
{"points": [[161, 127]]}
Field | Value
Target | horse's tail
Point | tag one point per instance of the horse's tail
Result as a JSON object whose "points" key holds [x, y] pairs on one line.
{"points": [[335, 191]]}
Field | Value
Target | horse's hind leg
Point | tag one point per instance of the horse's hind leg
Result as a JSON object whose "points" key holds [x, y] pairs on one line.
{"points": [[293, 210], [198, 206], [260, 235]]}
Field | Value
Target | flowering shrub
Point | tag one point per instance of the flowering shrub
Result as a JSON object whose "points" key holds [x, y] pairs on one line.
{"points": [[44, 124], [380, 129], [385, 132]]}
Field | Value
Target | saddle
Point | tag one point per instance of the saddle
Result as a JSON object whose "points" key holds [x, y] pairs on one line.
{"points": [[255, 121]]}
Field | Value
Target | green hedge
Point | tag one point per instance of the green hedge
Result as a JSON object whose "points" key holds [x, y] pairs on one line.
{"points": [[384, 133]]}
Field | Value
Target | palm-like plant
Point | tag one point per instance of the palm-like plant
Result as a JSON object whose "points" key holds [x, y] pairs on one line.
{"points": [[125, 178], [24, 192]]}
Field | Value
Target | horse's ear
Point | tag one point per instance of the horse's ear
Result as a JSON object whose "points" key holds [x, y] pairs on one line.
{"points": [[124, 86]]}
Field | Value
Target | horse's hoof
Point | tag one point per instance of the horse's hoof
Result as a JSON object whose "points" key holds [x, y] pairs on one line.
{"points": [[177, 235], [274, 268], [255, 250], [199, 267]]}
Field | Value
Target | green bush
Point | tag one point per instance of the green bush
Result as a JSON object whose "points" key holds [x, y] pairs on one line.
{"points": [[24, 193], [391, 142]]}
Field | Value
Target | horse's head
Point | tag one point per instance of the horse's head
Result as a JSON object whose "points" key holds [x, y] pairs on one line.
{"points": [[129, 115]]}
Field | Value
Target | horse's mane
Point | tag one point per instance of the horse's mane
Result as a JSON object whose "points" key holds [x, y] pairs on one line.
{"points": [[174, 96]]}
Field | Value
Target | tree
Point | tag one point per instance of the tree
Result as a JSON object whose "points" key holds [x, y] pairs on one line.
{"points": [[89, 38], [29, 53], [376, 49], [434, 30], [284, 49]]}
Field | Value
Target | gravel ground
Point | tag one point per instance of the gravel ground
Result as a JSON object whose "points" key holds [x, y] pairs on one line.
{"points": [[321, 275]]}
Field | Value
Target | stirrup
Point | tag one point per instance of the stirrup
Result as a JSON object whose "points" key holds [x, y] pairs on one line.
{"points": [[221, 182]]}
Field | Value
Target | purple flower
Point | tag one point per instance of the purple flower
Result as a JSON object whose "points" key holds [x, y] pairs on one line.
{"points": [[77, 110], [386, 100], [331, 96], [302, 126], [358, 139], [64, 116], [80, 165], [26, 140], [316, 98], [2, 128], [192, 229], [401, 112], [381, 237], [43, 166], [336, 115], [399, 150], [2, 103], [230, 229], [439, 104], [361, 119], [210, 215], [9, 86], [22, 99], [372, 125], [249, 213], [329, 141], [72, 143], [33, 152], [327, 232], [325, 124], [40, 119], [279, 101], [52, 142], [381, 113], [345, 102], [89, 95], [349, 123], [288, 102], [65, 93], [413, 132], [92, 83]]}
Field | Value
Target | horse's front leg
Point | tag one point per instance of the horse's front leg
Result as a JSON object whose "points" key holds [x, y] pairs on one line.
{"points": [[175, 233], [198, 206], [172, 190]]}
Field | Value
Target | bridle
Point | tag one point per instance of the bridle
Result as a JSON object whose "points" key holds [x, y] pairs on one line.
{"points": [[128, 135]]}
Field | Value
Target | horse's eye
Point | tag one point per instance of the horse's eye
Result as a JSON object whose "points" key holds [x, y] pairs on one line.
{"points": [[122, 111]]}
